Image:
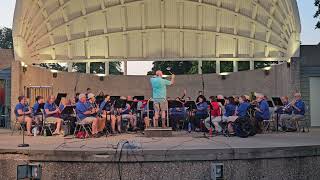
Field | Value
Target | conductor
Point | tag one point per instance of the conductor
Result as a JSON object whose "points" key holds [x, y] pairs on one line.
{"points": [[159, 95]]}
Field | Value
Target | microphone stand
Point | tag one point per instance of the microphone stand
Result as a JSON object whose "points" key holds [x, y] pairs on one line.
{"points": [[23, 144]]}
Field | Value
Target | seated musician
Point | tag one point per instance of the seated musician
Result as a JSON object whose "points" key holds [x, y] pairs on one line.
{"points": [[285, 113], [96, 112], [106, 109], [230, 109], [23, 113], [127, 114], [36, 110], [84, 113], [52, 112], [177, 114], [63, 104], [201, 113], [262, 111], [242, 110], [215, 112], [298, 108]]}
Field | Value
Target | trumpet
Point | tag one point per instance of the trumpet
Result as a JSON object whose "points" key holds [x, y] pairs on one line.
{"points": [[288, 105]]}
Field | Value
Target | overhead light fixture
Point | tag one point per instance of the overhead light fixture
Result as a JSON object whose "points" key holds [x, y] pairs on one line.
{"points": [[54, 71], [24, 68], [224, 75], [267, 70], [100, 75]]}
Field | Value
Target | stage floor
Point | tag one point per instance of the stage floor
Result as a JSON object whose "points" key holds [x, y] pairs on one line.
{"points": [[181, 146]]}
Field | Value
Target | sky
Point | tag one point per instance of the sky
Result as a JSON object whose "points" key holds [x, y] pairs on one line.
{"points": [[309, 34]]}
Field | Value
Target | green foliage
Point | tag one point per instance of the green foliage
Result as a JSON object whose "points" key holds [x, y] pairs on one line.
{"points": [[178, 67], [54, 66], [317, 14], [262, 64], [6, 41], [226, 66], [243, 65]]}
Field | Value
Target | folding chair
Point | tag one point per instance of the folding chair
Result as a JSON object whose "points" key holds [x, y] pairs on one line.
{"points": [[268, 125], [80, 126], [20, 124]]}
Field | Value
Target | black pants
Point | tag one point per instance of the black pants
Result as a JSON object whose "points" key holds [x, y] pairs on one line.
{"points": [[198, 118]]}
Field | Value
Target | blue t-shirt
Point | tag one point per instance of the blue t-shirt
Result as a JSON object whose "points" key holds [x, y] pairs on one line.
{"points": [[230, 110], [35, 108], [20, 106], [105, 105], [202, 108], [50, 107], [159, 88], [243, 109], [264, 107], [299, 104], [61, 107], [81, 108]]}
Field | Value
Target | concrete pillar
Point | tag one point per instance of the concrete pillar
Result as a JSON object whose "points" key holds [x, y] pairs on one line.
{"points": [[88, 67], [70, 67], [125, 71], [200, 67], [106, 68], [217, 67], [235, 66], [252, 65]]}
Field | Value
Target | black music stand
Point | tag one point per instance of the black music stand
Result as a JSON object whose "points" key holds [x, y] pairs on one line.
{"points": [[68, 110], [278, 103], [59, 97], [114, 98], [69, 121], [174, 104], [190, 105], [99, 99], [24, 123], [139, 98], [270, 103]]}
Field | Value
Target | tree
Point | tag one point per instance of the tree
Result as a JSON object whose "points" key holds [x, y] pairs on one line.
{"points": [[6, 41], [191, 67], [317, 14], [95, 67], [178, 67]]}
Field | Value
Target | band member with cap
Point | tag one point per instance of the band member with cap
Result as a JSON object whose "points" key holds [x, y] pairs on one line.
{"points": [[23, 113], [285, 113], [98, 114], [84, 113], [52, 114], [298, 108], [159, 95]]}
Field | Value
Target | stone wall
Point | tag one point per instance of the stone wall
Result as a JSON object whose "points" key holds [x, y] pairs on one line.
{"points": [[302, 168]]}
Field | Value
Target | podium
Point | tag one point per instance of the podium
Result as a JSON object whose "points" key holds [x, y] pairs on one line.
{"points": [[158, 132]]}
